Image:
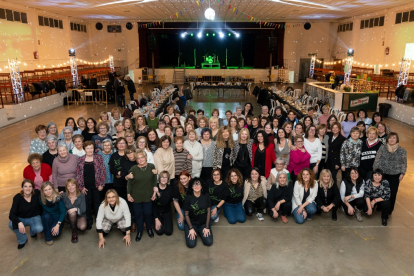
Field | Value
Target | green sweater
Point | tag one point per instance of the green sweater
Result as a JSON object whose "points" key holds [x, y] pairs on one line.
{"points": [[152, 123], [141, 186], [54, 209]]}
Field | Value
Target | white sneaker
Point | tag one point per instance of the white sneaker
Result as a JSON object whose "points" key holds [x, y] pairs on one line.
{"points": [[217, 219], [260, 216]]}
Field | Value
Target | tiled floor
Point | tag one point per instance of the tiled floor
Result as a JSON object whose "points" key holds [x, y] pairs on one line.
{"points": [[319, 247]]}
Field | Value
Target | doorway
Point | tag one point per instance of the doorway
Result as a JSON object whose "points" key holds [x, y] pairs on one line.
{"points": [[304, 68]]}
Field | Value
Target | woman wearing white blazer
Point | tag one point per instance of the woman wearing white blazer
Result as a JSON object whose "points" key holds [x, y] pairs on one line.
{"points": [[304, 194], [196, 153]]}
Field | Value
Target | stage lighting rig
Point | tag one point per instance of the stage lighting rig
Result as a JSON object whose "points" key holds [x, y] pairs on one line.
{"points": [[72, 52]]}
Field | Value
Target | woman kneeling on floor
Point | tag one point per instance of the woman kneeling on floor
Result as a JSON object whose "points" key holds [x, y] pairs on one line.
{"points": [[255, 194], [113, 209], [352, 194], [377, 194], [197, 209], [328, 197], [280, 197], [304, 194]]}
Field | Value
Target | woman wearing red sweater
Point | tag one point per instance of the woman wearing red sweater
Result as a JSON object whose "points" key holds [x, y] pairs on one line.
{"points": [[299, 158], [37, 171], [263, 153]]}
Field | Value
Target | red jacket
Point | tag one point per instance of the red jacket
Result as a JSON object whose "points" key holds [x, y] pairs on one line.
{"points": [[270, 157], [45, 173]]}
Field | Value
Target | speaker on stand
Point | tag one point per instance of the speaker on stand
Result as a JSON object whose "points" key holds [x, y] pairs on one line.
{"points": [[307, 26], [99, 26], [129, 26]]}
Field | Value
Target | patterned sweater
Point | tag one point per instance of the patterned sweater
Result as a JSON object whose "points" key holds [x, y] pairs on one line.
{"points": [[382, 191], [351, 153], [391, 163], [100, 172], [38, 146], [182, 162]]}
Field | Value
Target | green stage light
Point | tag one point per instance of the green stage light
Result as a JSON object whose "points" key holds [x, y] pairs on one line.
{"points": [[206, 34], [214, 34], [191, 34], [229, 34]]}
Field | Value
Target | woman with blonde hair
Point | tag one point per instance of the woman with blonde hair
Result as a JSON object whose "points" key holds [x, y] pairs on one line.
{"points": [[202, 122], [243, 153], [328, 197], [234, 127], [224, 150], [214, 126], [75, 205], [279, 197], [164, 157], [304, 194], [120, 131], [370, 147], [113, 209], [115, 116], [142, 144], [54, 212], [141, 128], [196, 150], [104, 118]]}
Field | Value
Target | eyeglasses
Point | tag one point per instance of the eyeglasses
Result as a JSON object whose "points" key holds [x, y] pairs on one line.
{"points": [[197, 184], [279, 164], [129, 136], [164, 177], [216, 174], [67, 132], [298, 141]]}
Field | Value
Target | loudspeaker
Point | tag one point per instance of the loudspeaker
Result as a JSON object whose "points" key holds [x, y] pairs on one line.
{"points": [[129, 26], [272, 44], [307, 26], [223, 66], [198, 67], [99, 26]]}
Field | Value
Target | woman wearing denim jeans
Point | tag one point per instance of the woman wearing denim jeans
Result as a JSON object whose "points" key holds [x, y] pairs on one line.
{"points": [[54, 212], [25, 211], [219, 191], [304, 194], [179, 195], [233, 207]]}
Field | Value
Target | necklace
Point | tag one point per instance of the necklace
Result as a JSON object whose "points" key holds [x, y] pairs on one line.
{"points": [[144, 168]]}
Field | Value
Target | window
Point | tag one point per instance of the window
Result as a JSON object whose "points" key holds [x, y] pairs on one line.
{"points": [[405, 16], [381, 21], [376, 21], [60, 24], [347, 27], [366, 23], [41, 21], [398, 18], [411, 16], [16, 16], [46, 21], [371, 22], [9, 15], [362, 24], [51, 25], [351, 26], [56, 23], [2, 14]]}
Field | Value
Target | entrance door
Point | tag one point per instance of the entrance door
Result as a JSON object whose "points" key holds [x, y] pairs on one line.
{"points": [[304, 69]]}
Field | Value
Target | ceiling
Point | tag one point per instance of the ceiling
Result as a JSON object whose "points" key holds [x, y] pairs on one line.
{"points": [[266, 10]]}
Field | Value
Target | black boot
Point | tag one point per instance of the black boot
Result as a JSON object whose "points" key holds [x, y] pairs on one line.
{"points": [[150, 233], [138, 237]]}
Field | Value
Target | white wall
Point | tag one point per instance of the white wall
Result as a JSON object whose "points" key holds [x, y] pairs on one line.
{"points": [[300, 42], [369, 44]]}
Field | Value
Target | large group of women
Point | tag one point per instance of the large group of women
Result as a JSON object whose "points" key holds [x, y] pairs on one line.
{"points": [[134, 172]]}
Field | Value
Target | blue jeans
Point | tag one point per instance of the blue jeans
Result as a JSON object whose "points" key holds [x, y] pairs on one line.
{"points": [[180, 226], [49, 221], [143, 211], [310, 210], [35, 224], [217, 214], [234, 212]]}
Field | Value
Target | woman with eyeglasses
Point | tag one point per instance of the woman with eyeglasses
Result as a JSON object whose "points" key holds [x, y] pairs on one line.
{"points": [[279, 197], [142, 144], [106, 154], [331, 120], [299, 158], [38, 145], [67, 140], [314, 146], [103, 130], [129, 136], [120, 131], [233, 206], [197, 208], [116, 164], [218, 190], [279, 167], [161, 206]]}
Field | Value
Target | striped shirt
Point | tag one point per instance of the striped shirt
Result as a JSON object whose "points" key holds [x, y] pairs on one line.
{"points": [[182, 162]]}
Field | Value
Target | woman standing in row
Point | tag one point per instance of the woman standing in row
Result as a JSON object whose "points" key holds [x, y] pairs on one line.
{"points": [[38, 145], [334, 150], [164, 157], [196, 151], [103, 129], [161, 206], [223, 152], [64, 167], [299, 158], [142, 186], [314, 147], [243, 154], [208, 146], [263, 154], [116, 163]]}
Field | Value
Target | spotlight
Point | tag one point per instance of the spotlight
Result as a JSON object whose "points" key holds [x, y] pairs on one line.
{"points": [[191, 34], [237, 34], [183, 35], [350, 52], [71, 52], [206, 34], [199, 35], [229, 34], [210, 14], [214, 34], [221, 34]]}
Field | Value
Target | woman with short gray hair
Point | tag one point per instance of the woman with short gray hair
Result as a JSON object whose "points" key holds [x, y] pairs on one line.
{"points": [[51, 154], [64, 167], [67, 140]]}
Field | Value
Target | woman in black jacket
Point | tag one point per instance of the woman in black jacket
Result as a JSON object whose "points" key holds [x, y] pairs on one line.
{"points": [[161, 209], [25, 211], [328, 197], [116, 164], [279, 198], [334, 150]]}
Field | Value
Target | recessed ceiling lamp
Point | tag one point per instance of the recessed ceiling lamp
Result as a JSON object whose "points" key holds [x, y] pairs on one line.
{"points": [[209, 12]]}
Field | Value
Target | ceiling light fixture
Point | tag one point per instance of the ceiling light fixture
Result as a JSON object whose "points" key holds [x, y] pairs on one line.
{"points": [[209, 13]]}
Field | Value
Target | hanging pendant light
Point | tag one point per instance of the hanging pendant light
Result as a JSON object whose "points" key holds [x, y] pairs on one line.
{"points": [[209, 13]]}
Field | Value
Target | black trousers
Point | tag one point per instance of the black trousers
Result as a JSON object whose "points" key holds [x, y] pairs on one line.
{"points": [[334, 172], [293, 177], [321, 166], [246, 171], [358, 203], [384, 206], [207, 241], [206, 173], [166, 224], [251, 207], [284, 210], [394, 180], [93, 200], [334, 209], [311, 166], [365, 173], [61, 189]]}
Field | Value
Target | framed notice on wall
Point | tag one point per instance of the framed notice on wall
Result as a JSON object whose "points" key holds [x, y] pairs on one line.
{"points": [[114, 28]]}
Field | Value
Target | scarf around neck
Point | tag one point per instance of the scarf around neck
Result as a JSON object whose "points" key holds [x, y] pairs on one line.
{"points": [[392, 149]]}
